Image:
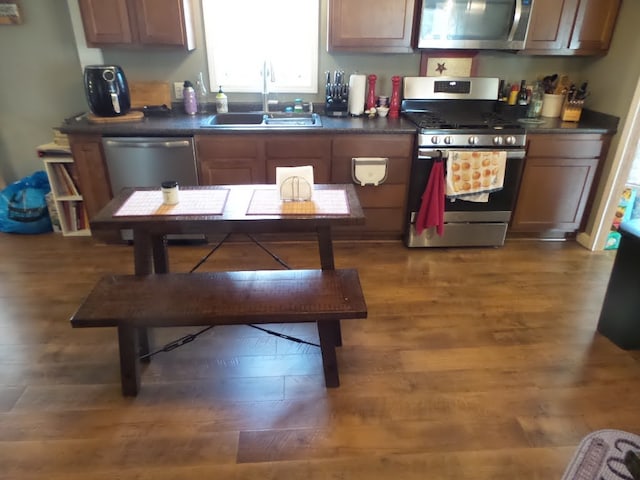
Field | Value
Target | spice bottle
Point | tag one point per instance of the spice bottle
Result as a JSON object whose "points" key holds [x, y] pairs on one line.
{"points": [[189, 94], [222, 106]]}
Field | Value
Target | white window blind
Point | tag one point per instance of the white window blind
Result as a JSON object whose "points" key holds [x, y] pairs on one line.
{"points": [[241, 35]]}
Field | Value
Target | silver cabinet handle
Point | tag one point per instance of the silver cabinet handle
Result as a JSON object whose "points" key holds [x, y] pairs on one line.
{"points": [[517, 16], [134, 144]]}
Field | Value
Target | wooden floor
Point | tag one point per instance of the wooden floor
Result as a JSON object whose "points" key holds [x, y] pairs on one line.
{"points": [[473, 363]]}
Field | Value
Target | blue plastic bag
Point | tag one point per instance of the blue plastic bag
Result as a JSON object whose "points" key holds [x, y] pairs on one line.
{"points": [[23, 205]]}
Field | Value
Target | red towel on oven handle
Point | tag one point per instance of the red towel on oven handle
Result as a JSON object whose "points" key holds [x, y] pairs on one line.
{"points": [[431, 213]]}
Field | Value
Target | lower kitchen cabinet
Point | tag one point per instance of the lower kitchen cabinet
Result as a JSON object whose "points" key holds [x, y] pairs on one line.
{"points": [[230, 159], [556, 188], [250, 159], [298, 150], [93, 177], [384, 205]]}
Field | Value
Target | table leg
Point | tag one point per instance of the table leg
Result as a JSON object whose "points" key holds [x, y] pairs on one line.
{"points": [[160, 254], [144, 259], [326, 332], [325, 246], [129, 365]]}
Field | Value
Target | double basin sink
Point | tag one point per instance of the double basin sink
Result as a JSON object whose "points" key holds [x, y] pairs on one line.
{"points": [[263, 120]]}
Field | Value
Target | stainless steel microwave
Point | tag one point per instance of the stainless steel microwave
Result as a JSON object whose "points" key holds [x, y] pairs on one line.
{"points": [[474, 24]]}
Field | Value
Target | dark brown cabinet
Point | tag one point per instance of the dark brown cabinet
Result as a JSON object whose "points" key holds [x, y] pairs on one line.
{"points": [[571, 27], [556, 187], [370, 25], [138, 22], [250, 159], [93, 177], [230, 159], [384, 205]]}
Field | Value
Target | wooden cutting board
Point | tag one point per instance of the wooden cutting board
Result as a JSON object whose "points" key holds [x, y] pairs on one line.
{"points": [[127, 117], [149, 93]]}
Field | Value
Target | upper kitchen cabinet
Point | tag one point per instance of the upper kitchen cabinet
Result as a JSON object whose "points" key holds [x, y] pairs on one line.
{"points": [[138, 22], [383, 26], [571, 27]]}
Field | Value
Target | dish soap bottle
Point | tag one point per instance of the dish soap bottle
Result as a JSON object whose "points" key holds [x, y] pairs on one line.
{"points": [[221, 102], [297, 106], [189, 94]]}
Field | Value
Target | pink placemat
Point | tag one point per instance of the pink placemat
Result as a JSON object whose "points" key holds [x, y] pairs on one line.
{"points": [[323, 202], [192, 202]]}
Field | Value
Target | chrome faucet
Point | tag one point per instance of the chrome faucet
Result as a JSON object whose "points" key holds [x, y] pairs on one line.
{"points": [[267, 76]]}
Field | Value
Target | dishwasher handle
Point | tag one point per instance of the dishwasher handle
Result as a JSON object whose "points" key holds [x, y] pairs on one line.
{"points": [[147, 144]]}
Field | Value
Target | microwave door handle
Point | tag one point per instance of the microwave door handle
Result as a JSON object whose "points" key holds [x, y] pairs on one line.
{"points": [[517, 16]]}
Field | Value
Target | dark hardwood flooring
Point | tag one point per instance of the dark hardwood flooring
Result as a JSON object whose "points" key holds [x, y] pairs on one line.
{"points": [[473, 363]]}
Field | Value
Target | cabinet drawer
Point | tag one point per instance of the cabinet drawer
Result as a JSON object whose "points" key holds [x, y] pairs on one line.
{"points": [[373, 146], [397, 170], [565, 146], [382, 196], [229, 146]]}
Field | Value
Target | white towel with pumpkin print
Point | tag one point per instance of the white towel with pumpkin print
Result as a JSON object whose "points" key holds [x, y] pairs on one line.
{"points": [[473, 175]]}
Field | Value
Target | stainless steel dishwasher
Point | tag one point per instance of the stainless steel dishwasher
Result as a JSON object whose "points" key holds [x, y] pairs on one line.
{"points": [[149, 161]]}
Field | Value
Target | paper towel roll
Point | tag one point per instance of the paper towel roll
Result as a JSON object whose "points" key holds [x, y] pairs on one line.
{"points": [[357, 88]]}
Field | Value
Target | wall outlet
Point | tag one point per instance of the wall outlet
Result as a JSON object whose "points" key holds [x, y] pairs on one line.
{"points": [[177, 90]]}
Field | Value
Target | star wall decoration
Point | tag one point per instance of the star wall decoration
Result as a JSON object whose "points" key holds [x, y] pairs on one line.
{"points": [[441, 68]]}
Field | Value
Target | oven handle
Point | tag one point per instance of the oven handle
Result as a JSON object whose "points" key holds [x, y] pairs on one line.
{"points": [[429, 154]]}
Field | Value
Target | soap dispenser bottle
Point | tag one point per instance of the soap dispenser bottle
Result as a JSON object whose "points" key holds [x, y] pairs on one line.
{"points": [[222, 106], [189, 94]]}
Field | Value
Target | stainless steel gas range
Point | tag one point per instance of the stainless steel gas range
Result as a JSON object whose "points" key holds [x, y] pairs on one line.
{"points": [[459, 116]]}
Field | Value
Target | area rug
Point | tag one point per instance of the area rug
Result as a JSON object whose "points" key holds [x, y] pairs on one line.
{"points": [[600, 456]]}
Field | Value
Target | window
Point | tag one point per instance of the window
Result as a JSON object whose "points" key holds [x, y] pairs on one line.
{"points": [[244, 36]]}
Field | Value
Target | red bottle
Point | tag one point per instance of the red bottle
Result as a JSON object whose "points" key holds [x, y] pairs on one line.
{"points": [[394, 103], [371, 96]]}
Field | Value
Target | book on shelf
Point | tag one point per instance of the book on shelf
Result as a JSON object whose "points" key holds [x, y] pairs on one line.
{"points": [[64, 184], [53, 212]]}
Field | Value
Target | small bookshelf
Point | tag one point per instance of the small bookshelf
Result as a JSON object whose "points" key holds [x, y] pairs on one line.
{"points": [[69, 215]]}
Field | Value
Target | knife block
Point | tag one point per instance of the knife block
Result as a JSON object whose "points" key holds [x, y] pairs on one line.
{"points": [[337, 106], [571, 110]]}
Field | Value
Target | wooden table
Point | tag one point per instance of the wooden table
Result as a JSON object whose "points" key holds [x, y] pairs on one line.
{"points": [[149, 231]]}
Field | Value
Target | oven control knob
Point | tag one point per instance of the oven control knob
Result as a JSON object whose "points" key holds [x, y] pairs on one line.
{"points": [[448, 140], [511, 140], [498, 140], [474, 140], [435, 140]]}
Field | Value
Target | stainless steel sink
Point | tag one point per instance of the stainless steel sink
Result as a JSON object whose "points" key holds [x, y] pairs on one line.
{"points": [[293, 119], [263, 120], [235, 119]]}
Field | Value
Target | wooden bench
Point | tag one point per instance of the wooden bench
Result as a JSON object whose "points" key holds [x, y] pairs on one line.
{"points": [[132, 303]]}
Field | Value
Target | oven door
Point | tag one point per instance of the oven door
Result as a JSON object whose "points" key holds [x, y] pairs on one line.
{"points": [[466, 223], [493, 24]]}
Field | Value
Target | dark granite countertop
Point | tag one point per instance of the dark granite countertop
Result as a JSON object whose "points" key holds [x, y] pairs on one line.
{"points": [[186, 125]]}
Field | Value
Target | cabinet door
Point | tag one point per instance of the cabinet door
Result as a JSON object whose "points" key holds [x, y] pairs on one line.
{"points": [[164, 22], [556, 186], [93, 177], [106, 22], [384, 205], [551, 23], [371, 25], [230, 159], [594, 25], [299, 150]]}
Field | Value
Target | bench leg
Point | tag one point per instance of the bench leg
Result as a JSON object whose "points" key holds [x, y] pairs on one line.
{"points": [[327, 334], [129, 364]]}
